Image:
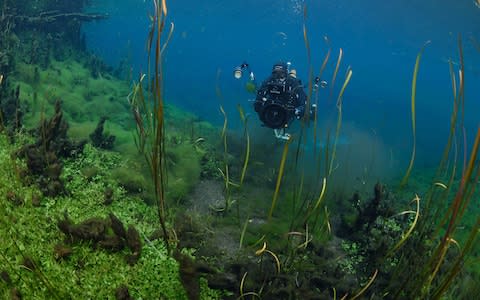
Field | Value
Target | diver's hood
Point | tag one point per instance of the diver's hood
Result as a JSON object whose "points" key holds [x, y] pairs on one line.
{"points": [[280, 69]]}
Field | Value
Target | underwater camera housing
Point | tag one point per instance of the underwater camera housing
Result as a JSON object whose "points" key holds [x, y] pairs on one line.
{"points": [[277, 99], [238, 70]]}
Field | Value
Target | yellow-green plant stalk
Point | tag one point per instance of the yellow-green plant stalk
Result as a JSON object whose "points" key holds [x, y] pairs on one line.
{"points": [[310, 69], [414, 131], [339, 119], [431, 275], [148, 112], [315, 118], [247, 150], [279, 178], [337, 66], [226, 172]]}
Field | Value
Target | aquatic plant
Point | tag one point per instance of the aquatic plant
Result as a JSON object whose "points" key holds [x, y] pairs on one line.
{"points": [[413, 97], [225, 173], [11, 113], [309, 210], [246, 159], [148, 113], [299, 226], [439, 252], [99, 138], [427, 230], [184, 169], [39, 265], [44, 156]]}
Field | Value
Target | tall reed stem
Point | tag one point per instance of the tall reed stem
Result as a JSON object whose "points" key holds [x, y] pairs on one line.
{"points": [[148, 112]]}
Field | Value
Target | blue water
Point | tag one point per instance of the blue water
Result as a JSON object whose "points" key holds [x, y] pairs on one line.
{"points": [[380, 40]]}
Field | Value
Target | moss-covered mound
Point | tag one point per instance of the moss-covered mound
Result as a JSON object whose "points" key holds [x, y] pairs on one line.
{"points": [[38, 262]]}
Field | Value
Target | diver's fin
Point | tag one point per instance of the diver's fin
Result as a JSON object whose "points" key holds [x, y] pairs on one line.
{"points": [[281, 134]]}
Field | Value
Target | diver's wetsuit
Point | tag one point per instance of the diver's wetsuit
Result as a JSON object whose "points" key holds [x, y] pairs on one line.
{"points": [[279, 99]]}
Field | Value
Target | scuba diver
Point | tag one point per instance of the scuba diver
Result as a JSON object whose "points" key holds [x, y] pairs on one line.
{"points": [[281, 97]]}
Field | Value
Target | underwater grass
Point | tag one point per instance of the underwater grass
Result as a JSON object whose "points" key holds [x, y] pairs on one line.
{"points": [[339, 119], [225, 173], [462, 198], [279, 178], [29, 231], [407, 234], [310, 68], [443, 169], [413, 114], [365, 288], [315, 121], [1, 115], [432, 275], [150, 133], [247, 138], [337, 66]]}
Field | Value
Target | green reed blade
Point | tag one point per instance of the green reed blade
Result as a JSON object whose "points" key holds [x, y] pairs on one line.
{"points": [[247, 150], [339, 60], [339, 119], [414, 91], [279, 178], [165, 44]]}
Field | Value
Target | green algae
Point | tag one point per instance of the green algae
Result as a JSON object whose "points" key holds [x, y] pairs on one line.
{"points": [[86, 273], [85, 100], [184, 170]]}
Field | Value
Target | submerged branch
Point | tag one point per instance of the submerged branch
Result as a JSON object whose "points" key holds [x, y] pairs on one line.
{"points": [[54, 16]]}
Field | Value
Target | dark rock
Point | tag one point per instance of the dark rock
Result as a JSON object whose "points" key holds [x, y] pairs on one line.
{"points": [[117, 226], [5, 277], [101, 140], [61, 251], [134, 244], [121, 293], [133, 239], [98, 232], [11, 113], [15, 294], [133, 258], [156, 234], [43, 157], [14, 198], [112, 243], [92, 229], [188, 275], [108, 196], [29, 263], [36, 200], [225, 281]]}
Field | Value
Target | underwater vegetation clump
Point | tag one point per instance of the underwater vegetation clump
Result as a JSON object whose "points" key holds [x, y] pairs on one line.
{"points": [[448, 252], [43, 157], [41, 261], [148, 112]]}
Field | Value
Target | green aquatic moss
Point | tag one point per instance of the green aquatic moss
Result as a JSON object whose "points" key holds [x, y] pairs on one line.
{"points": [[31, 232], [96, 272], [183, 170], [84, 99]]}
